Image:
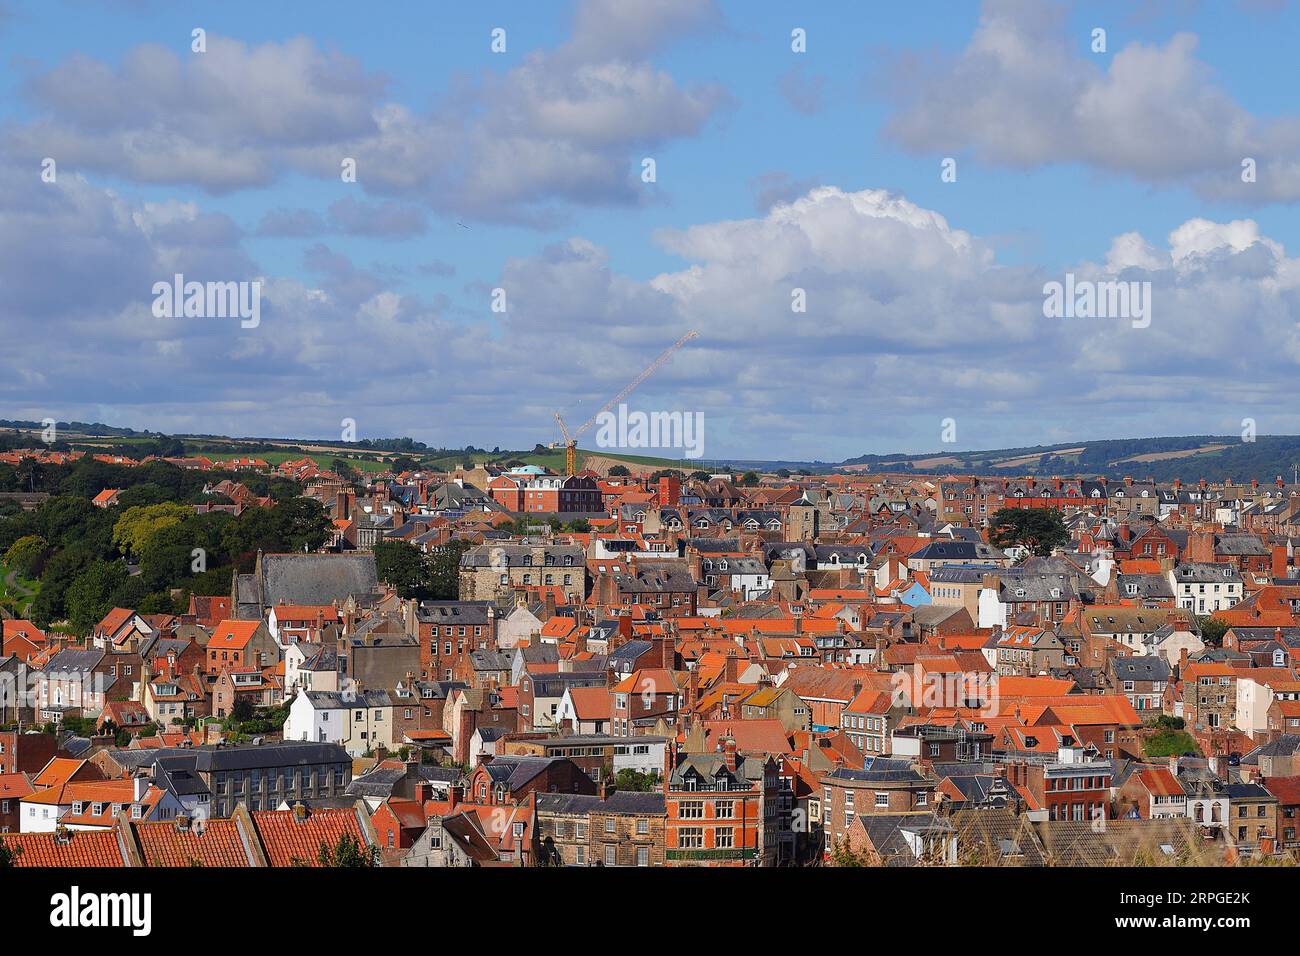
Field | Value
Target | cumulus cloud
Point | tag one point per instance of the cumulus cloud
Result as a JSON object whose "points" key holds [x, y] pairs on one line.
{"points": [[562, 126], [1022, 95], [909, 320]]}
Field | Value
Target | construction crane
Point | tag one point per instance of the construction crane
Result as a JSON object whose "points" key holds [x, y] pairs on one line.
{"points": [[571, 439]]}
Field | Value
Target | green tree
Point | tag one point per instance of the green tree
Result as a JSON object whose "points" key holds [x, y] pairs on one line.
{"points": [[60, 572], [347, 852], [25, 554], [8, 854], [619, 471], [629, 779], [90, 596], [1038, 529], [404, 566], [1212, 630], [137, 525], [444, 571], [842, 854]]}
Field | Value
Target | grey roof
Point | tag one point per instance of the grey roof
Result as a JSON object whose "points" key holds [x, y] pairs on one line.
{"points": [[1140, 668], [652, 579], [285, 753], [888, 833], [380, 781], [489, 660], [455, 612], [630, 651], [1205, 573], [515, 770], [957, 551], [336, 700], [962, 573], [620, 801], [513, 556], [1239, 544], [72, 660], [891, 775], [177, 773], [315, 578], [1144, 585]]}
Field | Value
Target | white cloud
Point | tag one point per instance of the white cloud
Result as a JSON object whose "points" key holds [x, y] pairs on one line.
{"points": [[1021, 94]]}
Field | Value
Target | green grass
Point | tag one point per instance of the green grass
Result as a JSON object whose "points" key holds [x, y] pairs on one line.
{"points": [[278, 457], [16, 596]]}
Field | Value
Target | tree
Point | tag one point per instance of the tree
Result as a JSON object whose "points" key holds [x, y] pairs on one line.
{"points": [[8, 854], [444, 571], [1212, 630], [402, 565], [90, 596], [749, 478], [347, 852], [619, 471], [59, 574], [25, 555], [137, 525], [843, 854], [345, 471], [1038, 529], [629, 779]]}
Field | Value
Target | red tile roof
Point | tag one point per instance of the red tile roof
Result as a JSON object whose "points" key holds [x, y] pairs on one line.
{"points": [[97, 848], [216, 843], [291, 842]]}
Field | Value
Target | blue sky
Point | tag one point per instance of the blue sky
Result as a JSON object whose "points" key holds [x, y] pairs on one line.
{"points": [[519, 171]]}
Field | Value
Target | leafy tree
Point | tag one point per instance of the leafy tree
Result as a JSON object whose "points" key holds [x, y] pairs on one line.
{"points": [[629, 779], [59, 574], [1212, 630], [1038, 529], [619, 471], [749, 478], [345, 471], [138, 525], [842, 854], [444, 571], [26, 554], [1170, 743], [90, 596], [402, 565], [8, 854], [347, 852]]}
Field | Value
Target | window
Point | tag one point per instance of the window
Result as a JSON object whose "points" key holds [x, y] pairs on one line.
{"points": [[611, 855], [882, 799], [690, 838], [692, 809], [643, 856], [724, 809], [642, 828], [725, 838], [609, 824]]}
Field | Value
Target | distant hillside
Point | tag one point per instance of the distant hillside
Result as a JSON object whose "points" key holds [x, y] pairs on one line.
{"points": [[1213, 457]]}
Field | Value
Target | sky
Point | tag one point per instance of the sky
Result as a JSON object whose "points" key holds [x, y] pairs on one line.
{"points": [[500, 255]]}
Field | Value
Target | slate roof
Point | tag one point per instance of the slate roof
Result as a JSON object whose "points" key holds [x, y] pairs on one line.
{"points": [[1140, 668], [315, 578], [620, 801]]}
